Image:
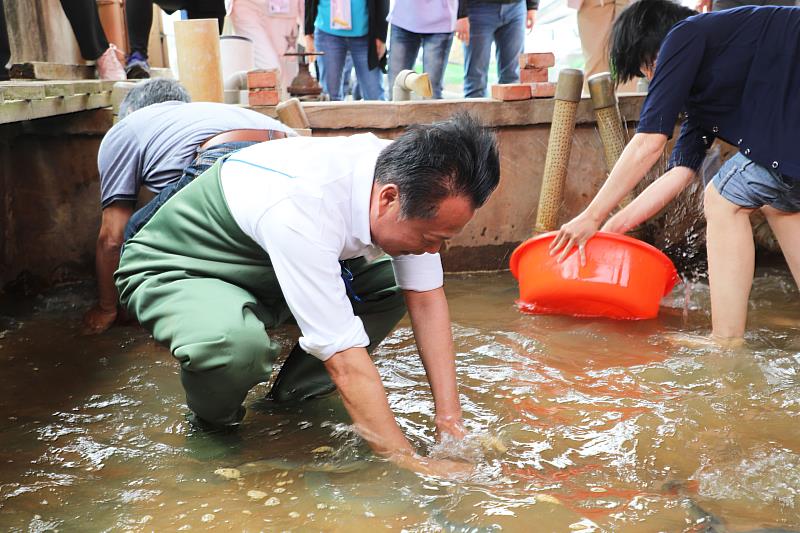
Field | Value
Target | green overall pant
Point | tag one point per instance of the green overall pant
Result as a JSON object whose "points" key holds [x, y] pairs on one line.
{"points": [[209, 292]]}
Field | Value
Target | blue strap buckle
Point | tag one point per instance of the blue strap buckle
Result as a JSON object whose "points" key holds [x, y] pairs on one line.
{"points": [[347, 276]]}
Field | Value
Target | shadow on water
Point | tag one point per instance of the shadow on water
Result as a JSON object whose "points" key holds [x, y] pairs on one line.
{"points": [[576, 425]]}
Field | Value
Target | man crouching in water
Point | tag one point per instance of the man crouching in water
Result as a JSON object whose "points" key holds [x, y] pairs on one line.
{"points": [[300, 226]]}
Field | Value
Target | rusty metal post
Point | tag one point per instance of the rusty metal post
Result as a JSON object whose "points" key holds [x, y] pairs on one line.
{"points": [[567, 97]]}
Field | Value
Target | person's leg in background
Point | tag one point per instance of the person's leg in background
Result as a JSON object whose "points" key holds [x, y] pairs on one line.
{"points": [[139, 18], [5, 46], [403, 50], [435, 52], [85, 22], [335, 49], [595, 18], [207, 9], [380, 308], [509, 39], [370, 82], [483, 21]]}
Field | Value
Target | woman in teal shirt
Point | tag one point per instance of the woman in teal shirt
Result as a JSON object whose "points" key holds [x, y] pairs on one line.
{"points": [[355, 26]]}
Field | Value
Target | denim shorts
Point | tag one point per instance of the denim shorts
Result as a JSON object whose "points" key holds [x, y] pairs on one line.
{"points": [[749, 185]]}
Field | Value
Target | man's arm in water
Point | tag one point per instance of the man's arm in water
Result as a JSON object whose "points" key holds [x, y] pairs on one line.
{"points": [[109, 242], [430, 320], [652, 200], [364, 397]]}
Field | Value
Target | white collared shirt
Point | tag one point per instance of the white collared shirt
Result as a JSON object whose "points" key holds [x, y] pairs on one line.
{"points": [[305, 200]]}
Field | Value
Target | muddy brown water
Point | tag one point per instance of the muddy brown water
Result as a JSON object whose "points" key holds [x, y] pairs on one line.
{"points": [[606, 426]]}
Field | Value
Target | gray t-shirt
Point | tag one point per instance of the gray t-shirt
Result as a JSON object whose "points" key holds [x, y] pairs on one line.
{"points": [[153, 145]]}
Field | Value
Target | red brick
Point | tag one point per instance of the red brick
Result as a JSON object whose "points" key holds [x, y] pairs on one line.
{"points": [[511, 91], [543, 90], [261, 79], [537, 60], [264, 97], [532, 75]]}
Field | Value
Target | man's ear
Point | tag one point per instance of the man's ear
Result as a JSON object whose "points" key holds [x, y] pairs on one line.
{"points": [[388, 198]]}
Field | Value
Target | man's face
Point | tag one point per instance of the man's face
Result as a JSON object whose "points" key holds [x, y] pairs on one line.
{"points": [[396, 235]]}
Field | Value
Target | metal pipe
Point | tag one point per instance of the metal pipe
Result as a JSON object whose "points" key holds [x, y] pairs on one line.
{"points": [[408, 81], [567, 97]]}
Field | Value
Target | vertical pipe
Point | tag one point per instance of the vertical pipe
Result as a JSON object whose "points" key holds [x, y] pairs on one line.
{"points": [[199, 64], [609, 120], [567, 97]]}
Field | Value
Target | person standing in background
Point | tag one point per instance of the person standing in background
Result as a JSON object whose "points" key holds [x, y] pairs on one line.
{"points": [[336, 27], [94, 45], [595, 18], [273, 26], [139, 18], [426, 23], [502, 22]]}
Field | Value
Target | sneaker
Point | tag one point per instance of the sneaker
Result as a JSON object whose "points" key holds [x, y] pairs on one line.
{"points": [[108, 65], [137, 67]]}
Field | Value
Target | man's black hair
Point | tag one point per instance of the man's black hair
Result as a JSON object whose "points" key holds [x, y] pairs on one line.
{"points": [[152, 91], [428, 163], [637, 34]]}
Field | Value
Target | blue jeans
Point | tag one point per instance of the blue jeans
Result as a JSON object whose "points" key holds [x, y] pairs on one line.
{"points": [[749, 185], [204, 160], [505, 25], [369, 81], [403, 50]]}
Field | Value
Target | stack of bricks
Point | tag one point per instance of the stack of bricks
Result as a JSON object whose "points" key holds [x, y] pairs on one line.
{"points": [[533, 75], [263, 87]]}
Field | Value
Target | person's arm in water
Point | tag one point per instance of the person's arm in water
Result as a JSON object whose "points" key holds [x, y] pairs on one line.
{"points": [[430, 320], [364, 397], [652, 200], [109, 242], [636, 160]]}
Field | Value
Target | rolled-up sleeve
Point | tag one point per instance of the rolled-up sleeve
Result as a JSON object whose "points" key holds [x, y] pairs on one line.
{"points": [[691, 146], [418, 273], [309, 274]]}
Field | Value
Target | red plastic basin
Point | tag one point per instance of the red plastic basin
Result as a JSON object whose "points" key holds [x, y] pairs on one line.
{"points": [[624, 278]]}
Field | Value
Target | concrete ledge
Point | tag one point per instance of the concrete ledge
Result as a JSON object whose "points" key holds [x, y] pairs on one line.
{"points": [[493, 113], [23, 101]]}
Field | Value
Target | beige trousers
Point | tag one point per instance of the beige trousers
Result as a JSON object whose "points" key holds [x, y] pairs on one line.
{"points": [[595, 18]]}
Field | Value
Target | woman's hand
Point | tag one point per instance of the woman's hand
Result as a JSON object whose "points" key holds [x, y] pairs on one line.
{"points": [[574, 233], [530, 20], [381, 46], [462, 30], [310, 48]]}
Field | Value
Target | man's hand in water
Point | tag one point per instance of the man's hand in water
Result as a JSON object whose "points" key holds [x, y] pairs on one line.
{"points": [[445, 468], [98, 319], [449, 425], [574, 233]]}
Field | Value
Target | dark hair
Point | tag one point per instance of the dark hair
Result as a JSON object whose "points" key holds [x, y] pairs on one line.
{"points": [[428, 163], [152, 91], [637, 34]]}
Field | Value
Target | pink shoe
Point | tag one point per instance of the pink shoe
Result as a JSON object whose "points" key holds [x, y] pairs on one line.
{"points": [[108, 65]]}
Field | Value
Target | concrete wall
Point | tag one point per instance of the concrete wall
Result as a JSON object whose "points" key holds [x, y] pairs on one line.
{"points": [[49, 181]]}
